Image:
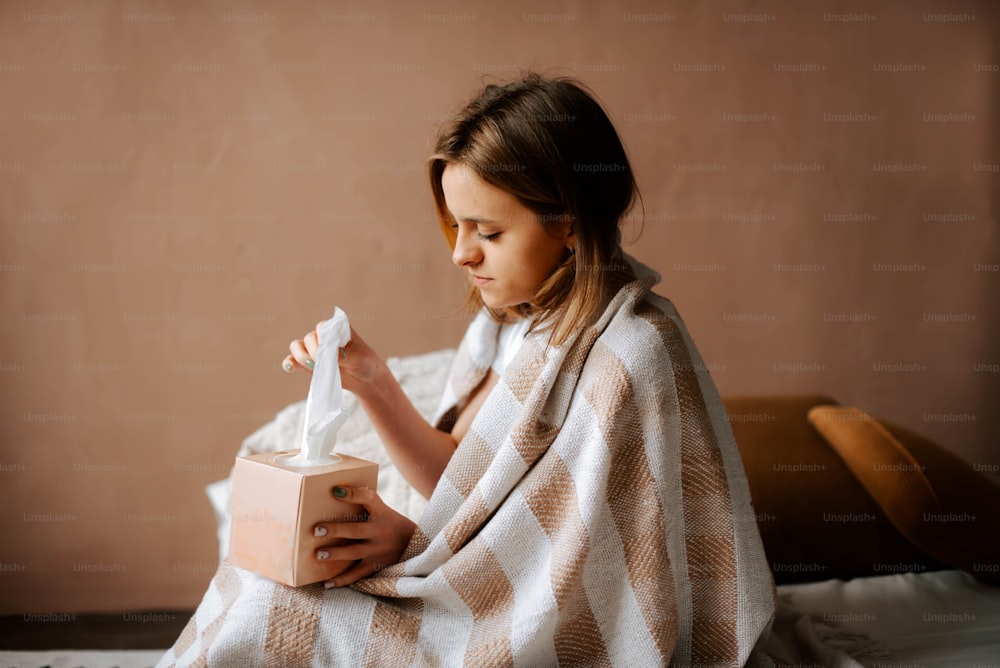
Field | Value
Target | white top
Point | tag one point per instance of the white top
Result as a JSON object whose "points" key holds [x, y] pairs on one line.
{"points": [[508, 343]]}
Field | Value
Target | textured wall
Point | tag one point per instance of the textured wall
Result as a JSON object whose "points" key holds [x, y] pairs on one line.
{"points": [[186, 186]]}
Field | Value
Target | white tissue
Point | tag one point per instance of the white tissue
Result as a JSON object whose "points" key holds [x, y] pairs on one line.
{"points": [[326, 411]]}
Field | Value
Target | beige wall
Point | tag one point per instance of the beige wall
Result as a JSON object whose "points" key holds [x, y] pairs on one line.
{"points": [[186, 186]]}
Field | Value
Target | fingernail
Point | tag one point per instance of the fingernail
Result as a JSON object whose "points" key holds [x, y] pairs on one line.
{"points": [[287, 366], [319, 531], [339, 492], [310, 363], [322, 554], [330, 584]]}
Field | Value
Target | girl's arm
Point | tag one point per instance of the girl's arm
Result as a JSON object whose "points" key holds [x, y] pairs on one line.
{"points": [[419, 451]]}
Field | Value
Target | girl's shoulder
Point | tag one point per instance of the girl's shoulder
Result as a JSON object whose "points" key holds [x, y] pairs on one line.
{"points": [[648, 335]]}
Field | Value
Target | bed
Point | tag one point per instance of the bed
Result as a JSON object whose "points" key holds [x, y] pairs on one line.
{"points": [[919, 612]]}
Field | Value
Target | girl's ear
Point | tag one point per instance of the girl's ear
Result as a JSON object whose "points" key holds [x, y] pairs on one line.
{"points": [[568, 232]]}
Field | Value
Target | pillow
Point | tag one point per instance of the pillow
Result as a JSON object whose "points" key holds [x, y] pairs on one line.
{"points": [[815, 518], [932, 497]]}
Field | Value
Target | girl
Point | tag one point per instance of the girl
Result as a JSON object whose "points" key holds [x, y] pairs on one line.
{"points": [[587, 504]]}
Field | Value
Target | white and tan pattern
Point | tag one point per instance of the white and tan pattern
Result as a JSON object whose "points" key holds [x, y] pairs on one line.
{"points": [[596, 513]]}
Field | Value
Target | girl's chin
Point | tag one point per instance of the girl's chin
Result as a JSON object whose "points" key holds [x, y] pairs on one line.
{"points": [[492, 301], [491, 298]]}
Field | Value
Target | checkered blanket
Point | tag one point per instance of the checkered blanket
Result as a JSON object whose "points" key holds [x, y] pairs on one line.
{"points": [[596, 513]]}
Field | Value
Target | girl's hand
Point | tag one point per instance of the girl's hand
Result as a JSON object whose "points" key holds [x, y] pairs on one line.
{"points": [[358, 362], [374, 544]]}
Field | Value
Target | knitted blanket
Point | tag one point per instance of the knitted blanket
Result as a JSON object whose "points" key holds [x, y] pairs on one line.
{"points": [[596, 513]]}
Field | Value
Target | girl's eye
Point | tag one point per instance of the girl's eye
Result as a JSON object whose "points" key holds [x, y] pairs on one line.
{"points": [[487, 237]]}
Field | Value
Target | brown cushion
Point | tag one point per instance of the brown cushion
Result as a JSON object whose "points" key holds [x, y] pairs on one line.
{"points": [[815, 518], [936, 500]]}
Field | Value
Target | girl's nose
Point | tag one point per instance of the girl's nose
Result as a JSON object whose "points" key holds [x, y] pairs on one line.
{"points": [[467, 250]]}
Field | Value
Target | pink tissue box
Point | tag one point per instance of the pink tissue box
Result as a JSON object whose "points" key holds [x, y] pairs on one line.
{"points": [[274, 508]]}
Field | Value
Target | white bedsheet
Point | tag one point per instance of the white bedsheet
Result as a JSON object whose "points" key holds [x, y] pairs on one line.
{"points": [[81, 658], [944, 619]]}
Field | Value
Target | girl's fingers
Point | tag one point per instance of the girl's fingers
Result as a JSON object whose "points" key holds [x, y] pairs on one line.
{"points": [[349, 552], [304, 350], [301, 355], [357, 530], [357, 572], [378, 542], [362, 496], [311, 341]]}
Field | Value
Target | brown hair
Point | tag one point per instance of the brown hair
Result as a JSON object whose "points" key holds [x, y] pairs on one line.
{"points": [[549, 143]]}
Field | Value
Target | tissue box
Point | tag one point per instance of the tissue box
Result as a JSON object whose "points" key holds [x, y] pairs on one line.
{"points": [[274, 508]]}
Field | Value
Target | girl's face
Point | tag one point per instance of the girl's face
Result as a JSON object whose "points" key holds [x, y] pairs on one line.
{"points": [[501, 243]]}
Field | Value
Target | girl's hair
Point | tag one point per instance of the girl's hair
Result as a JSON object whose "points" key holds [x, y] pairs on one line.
{"points": [[549, 143]]}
